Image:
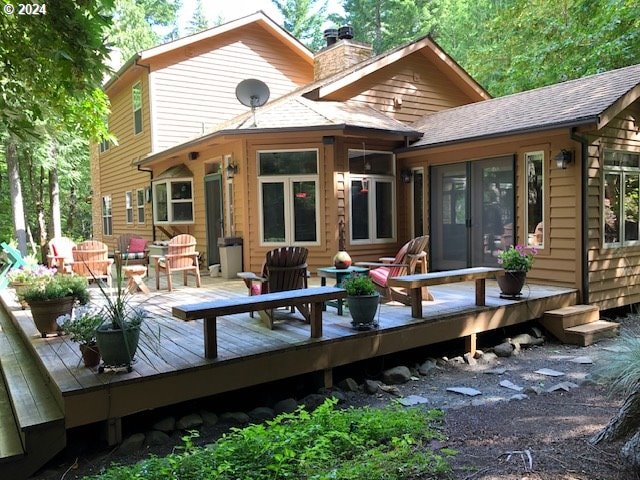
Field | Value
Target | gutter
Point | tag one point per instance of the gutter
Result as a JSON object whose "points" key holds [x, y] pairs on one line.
{"points": [[150, 172], [584, 214]]}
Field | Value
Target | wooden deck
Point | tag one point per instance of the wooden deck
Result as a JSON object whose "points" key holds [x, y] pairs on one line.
{"points": [[172, 367]]}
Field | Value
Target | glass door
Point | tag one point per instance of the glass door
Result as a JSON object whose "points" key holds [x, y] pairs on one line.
{"points": [[472, 212], [417, 202]]}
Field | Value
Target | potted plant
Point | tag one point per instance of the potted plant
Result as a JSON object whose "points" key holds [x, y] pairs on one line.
{"points": [[118, 334], [81, 327], [53, 297], [362, 299], [516, 261], [20, 278]]}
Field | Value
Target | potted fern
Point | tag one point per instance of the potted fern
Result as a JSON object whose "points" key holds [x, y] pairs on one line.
{"points": [[362, 299]]}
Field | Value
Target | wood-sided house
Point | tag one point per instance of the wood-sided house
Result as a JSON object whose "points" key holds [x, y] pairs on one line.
{"points": [[378, 150]]}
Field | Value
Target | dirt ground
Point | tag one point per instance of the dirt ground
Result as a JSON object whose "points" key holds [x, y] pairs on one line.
{"points": [[543, 436]]}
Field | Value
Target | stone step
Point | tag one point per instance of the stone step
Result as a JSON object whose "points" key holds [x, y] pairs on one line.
{"points": [[589, 333]]}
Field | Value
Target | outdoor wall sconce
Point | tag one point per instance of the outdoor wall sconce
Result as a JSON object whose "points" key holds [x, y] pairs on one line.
{"points": [[232, 169], [365, 186], [563, 158], [405, 175]]}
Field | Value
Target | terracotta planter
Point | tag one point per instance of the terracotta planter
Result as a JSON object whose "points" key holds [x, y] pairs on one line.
{"points": [[363, 310], [511, 283], [90, 354], [46, 312], [117, 347]]}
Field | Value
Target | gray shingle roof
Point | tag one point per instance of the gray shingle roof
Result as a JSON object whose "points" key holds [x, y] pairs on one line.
{"points": [[563, 104]]}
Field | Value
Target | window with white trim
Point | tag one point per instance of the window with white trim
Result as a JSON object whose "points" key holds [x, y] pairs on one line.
{"points": [[173, 201], [621, 198], [128, 206], [136, 100], [104, 146], [289, 203], [534, 164], [373, 196], [107, 219], [140, 205]]}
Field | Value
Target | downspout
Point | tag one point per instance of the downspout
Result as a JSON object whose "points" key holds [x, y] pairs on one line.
{"points": [[150, 172], [584, 238]]}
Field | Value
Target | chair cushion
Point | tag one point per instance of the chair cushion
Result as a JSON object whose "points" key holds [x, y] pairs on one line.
{"points": [[54, 250], [256, 289], [379, 276], [133, 256], [137, 245]]}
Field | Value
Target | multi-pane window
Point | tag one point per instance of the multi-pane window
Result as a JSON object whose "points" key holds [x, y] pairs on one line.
{"points": [[104, 146], [534, 164], [373, 195], [621, 202], [289, 203], [173, 201], [128, 206], [136, 98], [140, 204], [107, 222]]}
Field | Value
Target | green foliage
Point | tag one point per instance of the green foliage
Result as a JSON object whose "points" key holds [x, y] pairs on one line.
{"points": [[357, 285], [518, 258], [81, 326], [57, 286], [622, 368], [304, 20], [388, 443], [198, 20], [117, 313]]}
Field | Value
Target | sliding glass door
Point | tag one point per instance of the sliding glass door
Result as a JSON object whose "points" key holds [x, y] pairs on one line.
{"points": [[472, 212]]}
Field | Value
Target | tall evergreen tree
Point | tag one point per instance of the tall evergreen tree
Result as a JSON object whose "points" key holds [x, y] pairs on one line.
{"points": [[199, 20], [304, 19]]}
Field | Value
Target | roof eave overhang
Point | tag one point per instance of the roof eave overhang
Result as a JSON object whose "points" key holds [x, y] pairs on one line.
{"points": [[522, 131], [341, 129], [618, 106]]}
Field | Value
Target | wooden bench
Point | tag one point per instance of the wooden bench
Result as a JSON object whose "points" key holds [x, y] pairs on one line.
{"points": [[414, 283], [210, 311]]}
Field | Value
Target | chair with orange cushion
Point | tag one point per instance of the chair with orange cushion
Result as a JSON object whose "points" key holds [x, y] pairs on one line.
{"points": [[411, 255], [60, 254], [284, 269], [181, 257], [91, 260]]}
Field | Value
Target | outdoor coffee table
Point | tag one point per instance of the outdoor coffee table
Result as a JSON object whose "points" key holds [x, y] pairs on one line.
{"points": [[339, 274], [135, 273]]}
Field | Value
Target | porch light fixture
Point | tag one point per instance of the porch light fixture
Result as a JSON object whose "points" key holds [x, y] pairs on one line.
{"points": [[405, 175], [232, 169], [563, 158]]}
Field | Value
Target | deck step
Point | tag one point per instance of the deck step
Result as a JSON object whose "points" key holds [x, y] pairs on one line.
{"points": [[574, 315], [37, 415], [589, 333], [10, 439]]}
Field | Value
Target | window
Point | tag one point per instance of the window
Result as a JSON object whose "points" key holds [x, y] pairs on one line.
{"points": [[372, 196], [621, 198], [107, 225], [534, 164], [173, 201], [140, 204], [128, 206], [288, 186], [136, 94], [104, 146]]}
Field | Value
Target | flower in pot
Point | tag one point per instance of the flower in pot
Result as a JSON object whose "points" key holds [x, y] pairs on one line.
{"points": [[516, 261], [362, 299], [20, 278], [119, 332], [81, 327], [53, 297]]}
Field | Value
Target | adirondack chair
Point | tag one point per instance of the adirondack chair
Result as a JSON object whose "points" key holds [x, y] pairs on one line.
{"points": [[284, 269], [11, 258], [91, 260], [411, 255], [60, 254], [131, 250], [181, 256]]}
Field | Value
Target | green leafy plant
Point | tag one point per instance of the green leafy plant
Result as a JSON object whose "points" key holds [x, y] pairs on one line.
{"points": [[30, 273], [56, 286], [358, 285], [518, 258], [81, 326]]}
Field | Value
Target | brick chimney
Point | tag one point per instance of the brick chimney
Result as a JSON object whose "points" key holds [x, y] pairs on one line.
{"points": [[340, 53]]}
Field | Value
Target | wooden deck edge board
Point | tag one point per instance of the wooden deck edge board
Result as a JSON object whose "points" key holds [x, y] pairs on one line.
{"points": [[10, 439]]}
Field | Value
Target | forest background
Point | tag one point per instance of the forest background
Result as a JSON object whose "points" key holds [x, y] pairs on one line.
{"points": [[52, 66]]}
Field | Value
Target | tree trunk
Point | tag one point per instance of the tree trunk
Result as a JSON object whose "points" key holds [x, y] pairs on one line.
{"points": [[71, 213], [54, 191], [624, 423], [17, 203], [630, 452]]}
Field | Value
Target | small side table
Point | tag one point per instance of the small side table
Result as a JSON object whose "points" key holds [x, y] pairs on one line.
{"points": [[339, 274], [135, 273]]}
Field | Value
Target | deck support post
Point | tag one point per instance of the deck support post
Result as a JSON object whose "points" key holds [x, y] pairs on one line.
{"points": [[210, 337], [480, 292], [470, 343], [327, 379], [113, 431], [416, 302], [316, 319]]}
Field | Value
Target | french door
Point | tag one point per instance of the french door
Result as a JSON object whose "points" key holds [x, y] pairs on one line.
{"points": [[472, 212]]}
